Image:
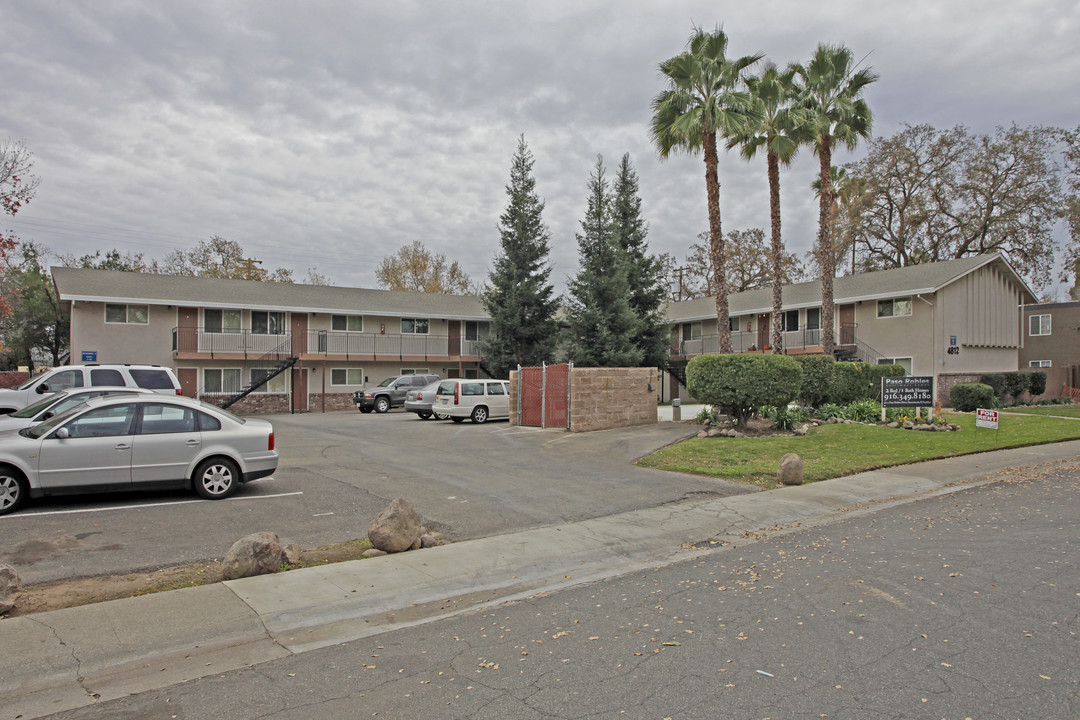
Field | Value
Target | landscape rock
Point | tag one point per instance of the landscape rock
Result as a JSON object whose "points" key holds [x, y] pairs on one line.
{"points": [[714, 432], [10, 582], [801, 430], [396, 527], [373, 552], [790, 471], [908, 425], [428, 540], [257, 554], [291, 554], [703, 433], [894, 425]]}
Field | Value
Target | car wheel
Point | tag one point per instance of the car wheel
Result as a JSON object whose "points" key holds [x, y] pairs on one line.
{"points": [[382, 404], [13, 491], [440, 416], [424, 415], [365, 410], [457, 419], [217, 478], [479, 414]]}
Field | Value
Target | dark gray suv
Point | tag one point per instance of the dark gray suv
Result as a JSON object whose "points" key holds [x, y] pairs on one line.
{"points": [[390, 392]]}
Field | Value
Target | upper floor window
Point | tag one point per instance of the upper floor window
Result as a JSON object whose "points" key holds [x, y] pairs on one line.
{"points": [[790, 320], [221, 321], [1041, 363], [1039, 325], [347, 323], [691, 331], [477, 330], [410, 326], [813, 318], [898, 307], [267, 323], [131, 314]]}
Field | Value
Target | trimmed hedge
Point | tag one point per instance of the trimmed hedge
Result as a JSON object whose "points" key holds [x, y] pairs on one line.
{"points": [[1012, 385], [853, 381], [1036, 382], [966, 397], [740, 383], [817, 378]]}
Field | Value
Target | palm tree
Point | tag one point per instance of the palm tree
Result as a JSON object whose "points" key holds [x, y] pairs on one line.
{"points": [[830, 89], [700, 101], [779, 131]]}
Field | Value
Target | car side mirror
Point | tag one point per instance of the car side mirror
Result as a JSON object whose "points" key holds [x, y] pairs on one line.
{"points": [[62, 433], [46, 415], [42, 389]]}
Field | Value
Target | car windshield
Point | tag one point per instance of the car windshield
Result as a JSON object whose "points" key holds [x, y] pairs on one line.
{"points": [[31, 410], [387, 382], [46, 427], [33, 379]]}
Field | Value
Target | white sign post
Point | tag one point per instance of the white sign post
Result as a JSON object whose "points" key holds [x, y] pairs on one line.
{"points": [[986, 418]]}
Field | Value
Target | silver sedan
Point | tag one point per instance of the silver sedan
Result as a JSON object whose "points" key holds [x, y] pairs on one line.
{"points": [[135, 442], [419, 401], [57, 402]]}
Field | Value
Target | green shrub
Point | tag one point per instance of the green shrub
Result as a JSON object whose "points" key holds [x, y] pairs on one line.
{"points": [[707, 416], [829, 410], [864, 411], [1015, 384], [739, 384], [789, 417], [966, 397], [817, 378], [849, 382], [1036, 382], [899, 414], [875, 373], [996, 381]]}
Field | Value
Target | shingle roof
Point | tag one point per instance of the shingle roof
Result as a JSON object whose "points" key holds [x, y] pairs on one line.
{"points": [[130, 287], [910, 280]]}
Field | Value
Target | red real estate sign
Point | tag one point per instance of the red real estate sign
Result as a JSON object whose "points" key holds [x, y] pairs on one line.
{"points": [[986, 418]]}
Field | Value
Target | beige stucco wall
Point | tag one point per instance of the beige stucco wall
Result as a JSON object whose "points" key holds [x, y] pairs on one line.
{"points": [[604, 398], [122, 343]]}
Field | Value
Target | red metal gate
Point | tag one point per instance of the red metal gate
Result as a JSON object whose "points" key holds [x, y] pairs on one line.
{"points": [[544, 396]]}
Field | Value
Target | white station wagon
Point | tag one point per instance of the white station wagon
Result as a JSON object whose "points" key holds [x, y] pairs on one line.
{"points": [[479, 400], [135, 442]]}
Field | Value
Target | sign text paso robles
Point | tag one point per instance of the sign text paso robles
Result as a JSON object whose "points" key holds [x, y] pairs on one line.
{"points": [[911, 391]]}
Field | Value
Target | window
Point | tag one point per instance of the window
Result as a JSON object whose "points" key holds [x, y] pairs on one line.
{"points": [[733, 323], [477, 330], [221, 380], [904, 362], [414, 326], [691, 331], [106, 376], [894, 308], [108, 421], [208, 422], [1039, 325], [413, 371], [152, 379], [789, 321], [65, 379], [276, 384], [347, 323], [347, 376], [267, 323], [221, 321], [813, 318], [472, 388], [160, 419], [1040, 363], [496, 388], [132, 314]]}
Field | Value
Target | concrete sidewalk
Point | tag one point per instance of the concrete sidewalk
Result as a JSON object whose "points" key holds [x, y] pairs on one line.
{"points": [[71, 658]]}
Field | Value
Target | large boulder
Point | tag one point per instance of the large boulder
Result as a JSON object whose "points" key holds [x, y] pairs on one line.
{"points": [[396, 528], [9, 587], [257, 554], [790, 471]]}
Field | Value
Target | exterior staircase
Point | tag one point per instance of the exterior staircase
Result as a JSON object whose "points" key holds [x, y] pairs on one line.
{"points": [[263, 370]]}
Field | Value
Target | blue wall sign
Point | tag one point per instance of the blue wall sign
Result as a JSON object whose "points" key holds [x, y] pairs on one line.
{"points": [[89, 356]]}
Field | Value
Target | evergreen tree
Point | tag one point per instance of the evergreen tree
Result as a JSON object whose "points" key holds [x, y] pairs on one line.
{"points": [[519, 297], [602, 324], [645, 272]]}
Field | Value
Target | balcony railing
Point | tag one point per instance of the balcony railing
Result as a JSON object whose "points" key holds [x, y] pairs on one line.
{"points": [[749, 342], [229, 342], [330, 342]]}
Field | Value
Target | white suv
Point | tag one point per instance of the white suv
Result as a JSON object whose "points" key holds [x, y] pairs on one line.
{"points": [[480, 400], [151, 377]]}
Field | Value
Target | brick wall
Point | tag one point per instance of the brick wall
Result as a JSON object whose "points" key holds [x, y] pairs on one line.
{"points": [[946, 381], [254, 404], [603, 398], [334, 402]]}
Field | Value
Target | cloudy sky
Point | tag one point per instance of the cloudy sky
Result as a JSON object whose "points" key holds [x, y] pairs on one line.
{"points": [[327, 135]]}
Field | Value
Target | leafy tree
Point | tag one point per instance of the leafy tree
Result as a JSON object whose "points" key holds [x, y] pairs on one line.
{"points": [[37, 325], [701, 101], [111, 260], [779, 131], [602, 324], [747, 259], [830, 89], [1070, 140], [220, 258], [925, 195], [519, 298], [418, 269], [645, 272], [17, 187]]}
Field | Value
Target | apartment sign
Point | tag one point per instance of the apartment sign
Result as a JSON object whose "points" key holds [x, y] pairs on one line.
{"points": [[986, 418], [911, 391]]}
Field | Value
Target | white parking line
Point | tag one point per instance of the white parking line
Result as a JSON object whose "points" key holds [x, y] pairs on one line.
{"points": [[130, 507]]}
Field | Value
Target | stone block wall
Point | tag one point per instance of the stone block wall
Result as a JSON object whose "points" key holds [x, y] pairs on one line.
{"points": [[604, 398], [254, 404]]}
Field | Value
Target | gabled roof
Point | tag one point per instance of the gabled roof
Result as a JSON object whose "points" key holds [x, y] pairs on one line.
{"points": [[911, 280], [81, 284]]}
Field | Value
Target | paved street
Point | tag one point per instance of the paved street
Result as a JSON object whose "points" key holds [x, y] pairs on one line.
{"points": [[338, 470], [961, 605]]}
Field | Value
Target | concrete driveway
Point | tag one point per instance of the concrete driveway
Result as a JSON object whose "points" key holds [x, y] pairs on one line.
{"points": [[338, 470]]}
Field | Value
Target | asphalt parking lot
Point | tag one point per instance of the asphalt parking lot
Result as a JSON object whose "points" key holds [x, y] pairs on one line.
{"points": [[337, 470]]}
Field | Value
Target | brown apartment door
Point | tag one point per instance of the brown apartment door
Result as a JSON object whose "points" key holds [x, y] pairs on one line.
{"points": [[763, 326], [847, 325]]}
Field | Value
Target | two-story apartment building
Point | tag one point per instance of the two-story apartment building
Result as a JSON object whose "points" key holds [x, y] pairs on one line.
{"points": [[221, 334], [1052, 344], [952, 320]]}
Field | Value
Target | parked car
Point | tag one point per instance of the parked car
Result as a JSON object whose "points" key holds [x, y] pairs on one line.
{"points": [[479, 400], [420, 401], [135, 442], [152, 377], [57, 402], [390, 392]]}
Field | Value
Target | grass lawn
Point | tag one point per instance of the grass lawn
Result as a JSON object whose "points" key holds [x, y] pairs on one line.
{"points": [[1059, 410], [835, 450]]}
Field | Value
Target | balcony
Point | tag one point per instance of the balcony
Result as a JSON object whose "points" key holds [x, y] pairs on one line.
{"points": [[806, 340], [231, 344]]}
